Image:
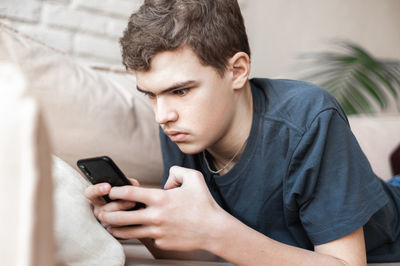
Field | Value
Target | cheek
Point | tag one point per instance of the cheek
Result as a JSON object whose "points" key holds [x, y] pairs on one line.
{"points": [[208, 116]]}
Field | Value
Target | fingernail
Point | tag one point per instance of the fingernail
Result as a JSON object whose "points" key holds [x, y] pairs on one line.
{"points": [[103, 188]]}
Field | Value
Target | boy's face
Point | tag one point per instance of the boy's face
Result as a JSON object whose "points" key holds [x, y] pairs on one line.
{"points": [[193, 104]]}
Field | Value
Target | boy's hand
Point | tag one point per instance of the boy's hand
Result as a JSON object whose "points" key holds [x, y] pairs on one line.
{"points": [[95, 193], [181, 217]]}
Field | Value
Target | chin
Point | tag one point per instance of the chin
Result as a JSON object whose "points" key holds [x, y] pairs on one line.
{"points": [[189, 148]]}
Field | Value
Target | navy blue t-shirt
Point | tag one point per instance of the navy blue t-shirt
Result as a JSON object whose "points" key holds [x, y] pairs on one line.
{"points": [[302, 178]]}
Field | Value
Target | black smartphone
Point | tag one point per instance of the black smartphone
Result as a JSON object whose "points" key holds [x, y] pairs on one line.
{"points": [[103, 169]]}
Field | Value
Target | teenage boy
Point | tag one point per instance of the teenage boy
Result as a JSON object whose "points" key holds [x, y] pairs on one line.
{"points": [[258, 172]]}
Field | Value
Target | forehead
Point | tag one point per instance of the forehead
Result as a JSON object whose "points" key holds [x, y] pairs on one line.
{"points": [[172, 67]]}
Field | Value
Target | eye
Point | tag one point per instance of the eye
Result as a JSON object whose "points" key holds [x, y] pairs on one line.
{"points": [[181, 92], [150, 95]]}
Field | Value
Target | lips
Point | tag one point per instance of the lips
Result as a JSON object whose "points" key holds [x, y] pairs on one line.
{"points": [[176, 136]]}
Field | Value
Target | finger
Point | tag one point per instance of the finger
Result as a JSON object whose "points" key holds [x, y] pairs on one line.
{"points": [[147, 196], [124, 218], [132, 232], [134, 182], [120, 205], [97, 209], [113, 206], [105, 225], [94, 193], [175, 178], [180, 175]]}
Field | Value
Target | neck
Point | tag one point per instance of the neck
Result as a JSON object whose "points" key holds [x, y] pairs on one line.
{"points": [[233, 143]]}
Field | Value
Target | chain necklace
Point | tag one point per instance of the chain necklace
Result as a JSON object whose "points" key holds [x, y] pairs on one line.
{"points": [[227, 164]]}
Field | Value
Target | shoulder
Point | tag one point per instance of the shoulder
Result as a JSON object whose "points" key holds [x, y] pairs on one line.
{"points": [[297, 103]]}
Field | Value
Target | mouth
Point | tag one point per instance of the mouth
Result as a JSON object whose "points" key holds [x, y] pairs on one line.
{"points": [[176, 136]]}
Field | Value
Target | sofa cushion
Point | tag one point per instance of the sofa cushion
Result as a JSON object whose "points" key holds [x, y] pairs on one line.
{"points": [[80, 238], [89, 113], [378, 136]]}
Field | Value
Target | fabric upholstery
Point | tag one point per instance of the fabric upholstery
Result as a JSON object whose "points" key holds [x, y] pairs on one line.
{"points": [[81, 239], [89, 113], [378, 136]]}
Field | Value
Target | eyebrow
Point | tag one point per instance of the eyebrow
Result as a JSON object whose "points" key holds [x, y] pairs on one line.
{"points": [[173, 87]]}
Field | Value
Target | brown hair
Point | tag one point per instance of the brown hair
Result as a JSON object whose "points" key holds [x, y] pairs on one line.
{"points": [[213, 29]]}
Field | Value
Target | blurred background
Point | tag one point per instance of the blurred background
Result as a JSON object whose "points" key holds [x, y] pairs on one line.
{"points": [[284, 36]]}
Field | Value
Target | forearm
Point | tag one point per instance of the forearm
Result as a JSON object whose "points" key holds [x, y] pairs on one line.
{"points": [[199, 223], [178, 255], [241, 245]]}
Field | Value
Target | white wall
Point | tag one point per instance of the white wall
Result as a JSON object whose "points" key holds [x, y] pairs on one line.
{"points": [[281, 30]]}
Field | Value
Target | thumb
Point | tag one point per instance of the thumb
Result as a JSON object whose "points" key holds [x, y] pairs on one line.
{"points": [[180, 175], [134, 182]]}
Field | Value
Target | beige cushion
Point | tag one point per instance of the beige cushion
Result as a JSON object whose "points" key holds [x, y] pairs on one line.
{"points": [[88, 113], [81, 240], [378, 137], [26, 202]]}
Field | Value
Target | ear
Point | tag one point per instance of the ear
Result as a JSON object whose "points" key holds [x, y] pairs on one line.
{"points": [[239, 65]]}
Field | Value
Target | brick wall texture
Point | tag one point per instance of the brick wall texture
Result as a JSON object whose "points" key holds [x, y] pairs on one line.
{"points": [[86, 29]]}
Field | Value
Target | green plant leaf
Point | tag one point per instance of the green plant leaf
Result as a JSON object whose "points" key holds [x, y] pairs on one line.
{"points": [[370, 87], [353, 74]]}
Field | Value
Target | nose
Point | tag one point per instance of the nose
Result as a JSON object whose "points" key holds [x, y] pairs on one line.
{"points": [[164, 111]]}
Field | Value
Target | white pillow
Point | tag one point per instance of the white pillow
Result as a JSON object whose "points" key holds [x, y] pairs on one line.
{"points": [[88, 113], [80, 238]]}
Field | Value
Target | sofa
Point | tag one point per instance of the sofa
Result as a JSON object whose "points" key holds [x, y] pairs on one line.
{"points": [[55, 111]]}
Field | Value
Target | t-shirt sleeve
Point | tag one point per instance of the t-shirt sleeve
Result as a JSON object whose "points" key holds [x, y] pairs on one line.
{"points": [[330, 183]]}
